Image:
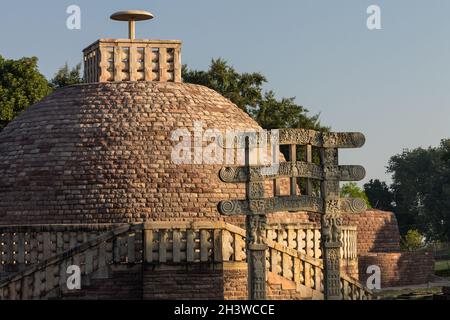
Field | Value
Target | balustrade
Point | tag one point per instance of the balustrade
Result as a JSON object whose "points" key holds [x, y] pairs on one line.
{"points": [[47, 251]]}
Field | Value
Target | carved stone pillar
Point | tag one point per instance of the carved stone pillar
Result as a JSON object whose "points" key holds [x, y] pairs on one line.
{"points": [[256, 244], [255, 229], [256, 258], [331, 228]]}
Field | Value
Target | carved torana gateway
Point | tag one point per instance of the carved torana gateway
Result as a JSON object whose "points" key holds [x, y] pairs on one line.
{"points": [[328, 203]]}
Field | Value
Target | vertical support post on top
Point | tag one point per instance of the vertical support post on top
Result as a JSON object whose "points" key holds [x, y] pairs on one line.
{"points": [[255, 229], [308, 159], [293, 160], [132, 29]]}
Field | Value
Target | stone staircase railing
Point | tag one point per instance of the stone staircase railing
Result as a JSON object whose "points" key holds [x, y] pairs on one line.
{"points": [[306, 238], [155, 243], [22, 246], [289, 263], [120, 245]]}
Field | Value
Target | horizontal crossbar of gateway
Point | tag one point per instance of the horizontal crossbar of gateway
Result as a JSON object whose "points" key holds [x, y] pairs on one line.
{"points": [[289, 169], [292, 203], [331, 140]]}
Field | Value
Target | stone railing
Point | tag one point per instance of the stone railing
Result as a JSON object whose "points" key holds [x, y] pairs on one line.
{"points": [[21, 246], [306, 238], [349, 250], [133, 60], [121, 245], [47, 251], [183, 242], [295, 266], [223, 242], [290, 263], [353, 290]]}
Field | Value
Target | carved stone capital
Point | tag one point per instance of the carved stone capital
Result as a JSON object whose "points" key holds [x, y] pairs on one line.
{"points": [[256, 230], [331, 229]]}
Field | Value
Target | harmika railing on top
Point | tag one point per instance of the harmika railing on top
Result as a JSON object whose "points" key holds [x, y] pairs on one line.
{"points": [[161, 242], [109, 60]]}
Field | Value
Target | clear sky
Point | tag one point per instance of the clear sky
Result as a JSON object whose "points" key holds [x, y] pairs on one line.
{"points": [[391, 84]]}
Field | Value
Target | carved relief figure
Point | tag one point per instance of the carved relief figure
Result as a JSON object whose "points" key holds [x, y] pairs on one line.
{"points": [[256, 226]]}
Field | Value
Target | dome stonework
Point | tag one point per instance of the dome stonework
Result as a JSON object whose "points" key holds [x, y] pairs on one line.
{"points": [[101, 153]]}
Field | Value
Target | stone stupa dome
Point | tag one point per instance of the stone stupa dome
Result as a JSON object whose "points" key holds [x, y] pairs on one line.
{"points": [[101, 153]]}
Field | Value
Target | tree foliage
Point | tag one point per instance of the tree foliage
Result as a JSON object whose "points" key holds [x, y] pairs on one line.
{"points": [[351, 190], [246, 91], [66, 76], [380, 195], [413, 240], [21, 85], [421, 187]]}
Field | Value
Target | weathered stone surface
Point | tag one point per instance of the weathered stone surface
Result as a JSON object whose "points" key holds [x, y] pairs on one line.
{"points": [[299, 169], [101, 153], [287, 203], [319, 139], [302, 137], [132, 60], [399, 268]]}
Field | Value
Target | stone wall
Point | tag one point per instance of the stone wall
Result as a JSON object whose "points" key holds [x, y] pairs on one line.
{"points": [[191, 282], [379, 244], [228, 282], [194, 282], [399, 268], [377, 231], [235, 283], [122, 282], [278, 288]]}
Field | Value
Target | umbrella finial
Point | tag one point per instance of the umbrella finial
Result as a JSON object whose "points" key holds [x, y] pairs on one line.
{"points": [[132, 16]]}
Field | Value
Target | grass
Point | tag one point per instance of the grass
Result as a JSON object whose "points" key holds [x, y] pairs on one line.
{"points": [[442, 268], [409, 294]]}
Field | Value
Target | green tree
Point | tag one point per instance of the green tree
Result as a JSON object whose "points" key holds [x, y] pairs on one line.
{"points": [[246, 91], [421, 186], [379, 194], [66, 77], [351, 190], [271, 113], [21, 85], [243, 89], [413, 241]]}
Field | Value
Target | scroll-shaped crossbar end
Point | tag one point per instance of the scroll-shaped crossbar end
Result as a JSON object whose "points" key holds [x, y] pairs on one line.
{"points": [[352, 205], [226, 207]]}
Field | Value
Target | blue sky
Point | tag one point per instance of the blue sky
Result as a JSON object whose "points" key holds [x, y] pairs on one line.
{"points": [[391, 84]]}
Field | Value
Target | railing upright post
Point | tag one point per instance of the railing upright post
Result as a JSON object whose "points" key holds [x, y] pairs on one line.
{"points": [[148, 244]]}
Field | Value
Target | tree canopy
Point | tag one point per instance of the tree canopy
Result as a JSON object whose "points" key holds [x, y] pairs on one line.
{"points": [[352, 190], [21, 85], [246, 91], [66, 76], [421, 188], [379, 195]]}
